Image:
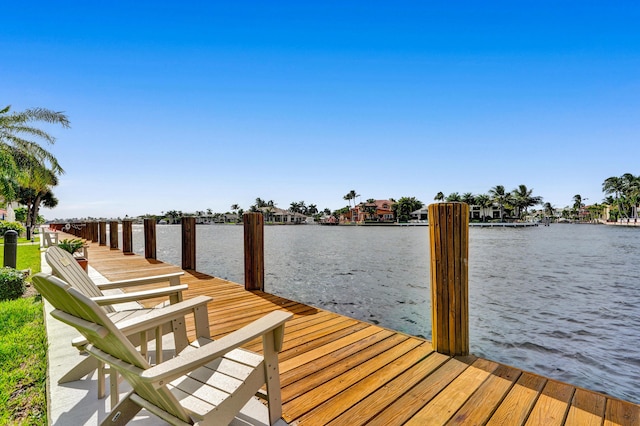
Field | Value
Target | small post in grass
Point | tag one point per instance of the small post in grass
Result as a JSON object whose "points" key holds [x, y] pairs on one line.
{"points": [[10, 248], [449, 232]]}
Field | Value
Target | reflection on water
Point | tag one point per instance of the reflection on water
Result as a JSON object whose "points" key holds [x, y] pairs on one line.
{"points": [[562, 301]]}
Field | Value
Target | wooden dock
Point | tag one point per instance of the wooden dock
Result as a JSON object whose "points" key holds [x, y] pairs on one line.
{"points": [[337, 370]]}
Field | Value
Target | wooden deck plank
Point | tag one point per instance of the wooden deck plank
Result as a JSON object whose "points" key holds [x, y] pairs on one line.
{"points": [[516, 406], [479, 408], [305, 370], [332, 346], [319, 394], [620, 413], [338, 363], [371, 405], [441, 408], [587, 409], [552, 405], [332, 408], [417, 397], [337, 370]]}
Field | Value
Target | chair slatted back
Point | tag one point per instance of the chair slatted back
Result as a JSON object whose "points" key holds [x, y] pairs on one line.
{"points": [[106, 341], [66, 268]]}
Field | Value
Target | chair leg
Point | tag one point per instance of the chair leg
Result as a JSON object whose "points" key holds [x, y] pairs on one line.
{"points": [[114, 379], [122, 413], [83, 368], [272, 374], [101, 380]]}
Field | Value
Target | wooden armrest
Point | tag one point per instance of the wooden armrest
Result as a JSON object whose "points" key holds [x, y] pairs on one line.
{"points": [[189, 361], [173, 278], [139, 295], [156, 317]]}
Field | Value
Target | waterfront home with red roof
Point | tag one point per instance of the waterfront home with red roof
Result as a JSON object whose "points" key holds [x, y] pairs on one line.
{"points": [[376, 211]]}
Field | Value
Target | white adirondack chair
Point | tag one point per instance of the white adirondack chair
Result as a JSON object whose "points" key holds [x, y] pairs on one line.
{"points": [[207, 383], [65, 267]]}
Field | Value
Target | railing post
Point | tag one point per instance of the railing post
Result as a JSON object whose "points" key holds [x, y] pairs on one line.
{"points": [[113, 234], [253, 251], [102, 237], [150, 238], [189, 243], [127, 236], [449, 232]]}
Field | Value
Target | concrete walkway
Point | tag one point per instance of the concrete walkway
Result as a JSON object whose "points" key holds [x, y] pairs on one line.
{"points": [[76, 403]]}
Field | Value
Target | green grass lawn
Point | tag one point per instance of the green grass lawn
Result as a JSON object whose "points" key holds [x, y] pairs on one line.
{"points": [[23, 362], [23, 351], [22, 240]]}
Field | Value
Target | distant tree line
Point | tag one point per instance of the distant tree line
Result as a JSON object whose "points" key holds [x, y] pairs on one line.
{"points": [[514, 203]]}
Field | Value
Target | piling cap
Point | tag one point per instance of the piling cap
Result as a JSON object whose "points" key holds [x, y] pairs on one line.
{"points": [[10, 237]]}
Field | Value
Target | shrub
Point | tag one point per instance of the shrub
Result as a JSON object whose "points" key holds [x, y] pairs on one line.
{"points": [[11, 284], [15, 226], [72, 245]]}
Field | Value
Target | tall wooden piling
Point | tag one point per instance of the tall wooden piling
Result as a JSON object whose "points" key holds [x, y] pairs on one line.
{"points": [[449, 232], [94, 232], [189, 243], [102, 233], [253, 251], [127, 236], [113, 234], [150, 238]]}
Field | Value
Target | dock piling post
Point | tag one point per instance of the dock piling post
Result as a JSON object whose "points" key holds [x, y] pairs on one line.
{"points": [[102, 233], [113, 234], [94, 232], [449, 234], [150, 238], [253, 251], [189, 243], [127, 236]]}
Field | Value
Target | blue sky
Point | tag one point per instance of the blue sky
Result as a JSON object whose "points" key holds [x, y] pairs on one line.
{"points": [[207, 104]]}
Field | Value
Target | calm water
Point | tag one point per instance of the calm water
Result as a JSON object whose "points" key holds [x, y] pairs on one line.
{"points": [[562, 301]]}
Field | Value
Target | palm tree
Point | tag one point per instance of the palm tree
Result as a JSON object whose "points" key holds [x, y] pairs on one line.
{"points": [[468, 198], [453, 197], [35, 183], [577, 204], [348, 197], [614, 185], [484, 201], [354, 195], [500, 197], [631, 192], [439, 197], [523, 199], [16, 133]]}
